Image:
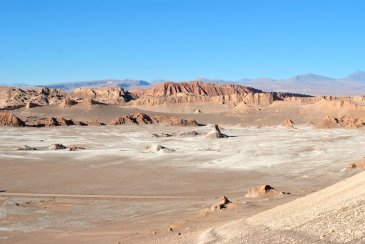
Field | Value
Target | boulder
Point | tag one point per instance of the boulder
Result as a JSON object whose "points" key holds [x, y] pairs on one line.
{"points": [[357, 164], [264, 191], [215, 133], [57, 147], [197, 111], [288, 123], [224, 203]]}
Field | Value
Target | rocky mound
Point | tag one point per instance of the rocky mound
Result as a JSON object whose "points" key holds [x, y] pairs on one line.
{"points": [[57, 147], [93, 123], [167, 120], [215, 133], [142, 119], [197, 111], [75, 148], [49, 122], [263, 191], [224, 203], [288, 123], [9, 119], [58, 121], [357, 164], [136, 118], [342, 122], [157, 148], [67, 103], [194, 88]]}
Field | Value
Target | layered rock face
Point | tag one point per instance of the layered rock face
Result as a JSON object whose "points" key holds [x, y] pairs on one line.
{"points": [[9, 119], [342, 122], [195, 92], [143, 119], [194, 88], [106, 95]]}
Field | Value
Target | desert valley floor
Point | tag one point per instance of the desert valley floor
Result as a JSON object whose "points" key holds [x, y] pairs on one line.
{"points": [[124, 188], [185, 162]]}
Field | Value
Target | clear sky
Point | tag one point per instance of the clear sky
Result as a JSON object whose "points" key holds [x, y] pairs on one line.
{"points": [[43, 41]]}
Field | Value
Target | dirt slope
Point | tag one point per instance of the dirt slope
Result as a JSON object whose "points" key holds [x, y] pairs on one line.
{"points": [[334, 214]]}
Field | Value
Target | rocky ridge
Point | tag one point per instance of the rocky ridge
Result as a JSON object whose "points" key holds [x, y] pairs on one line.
{"points": [[143, 119]]}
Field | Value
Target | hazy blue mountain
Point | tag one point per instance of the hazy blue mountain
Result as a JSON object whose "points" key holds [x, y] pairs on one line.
{"points": [[310, 78], [358, 76], [98, 83], [312, 84]]}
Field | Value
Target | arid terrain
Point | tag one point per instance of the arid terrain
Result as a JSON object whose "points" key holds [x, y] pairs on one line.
{"points": [[151, 165]]}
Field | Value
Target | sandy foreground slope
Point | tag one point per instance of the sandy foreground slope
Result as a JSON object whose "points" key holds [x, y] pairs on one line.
{"points": [[334, 214]]}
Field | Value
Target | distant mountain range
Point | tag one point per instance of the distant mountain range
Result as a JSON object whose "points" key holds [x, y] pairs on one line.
{"points": [[99, 83], [310, 84]]}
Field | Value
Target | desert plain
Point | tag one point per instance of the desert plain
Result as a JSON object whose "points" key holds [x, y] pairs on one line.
{"points": [[107, 165]]}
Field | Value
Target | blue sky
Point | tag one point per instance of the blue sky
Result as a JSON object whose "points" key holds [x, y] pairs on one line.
{"points": [[44, 41]]}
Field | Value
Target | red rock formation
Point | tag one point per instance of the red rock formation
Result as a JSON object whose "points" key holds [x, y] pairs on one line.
{"points": [[194, 88], [9, 119], [195, 92]]}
